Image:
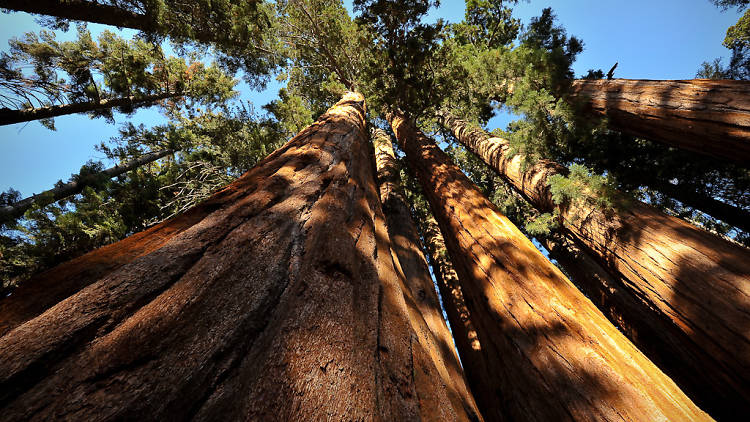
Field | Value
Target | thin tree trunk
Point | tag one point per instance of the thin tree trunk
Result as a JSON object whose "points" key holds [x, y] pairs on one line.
{"points": [[706, 116], [89, 11], [76, 186], [691, 279], [81, 10], [728, 213], [279, 301], [465, 334], [554, 355], [408, 250], [8, 116]]}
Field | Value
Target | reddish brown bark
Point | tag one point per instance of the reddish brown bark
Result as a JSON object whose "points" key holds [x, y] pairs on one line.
{"points": [[408, 250], [706, 116], [554, 355], [275, 299], [693, 282]]}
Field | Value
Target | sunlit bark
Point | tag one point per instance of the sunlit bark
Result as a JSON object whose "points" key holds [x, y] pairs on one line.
{"points": [[706, 116], [465, 335], [694, 282], [408, 250], [551, 355], [275, 299]]}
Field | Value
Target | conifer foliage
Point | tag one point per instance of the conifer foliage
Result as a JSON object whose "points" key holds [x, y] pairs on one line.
{"points": [[288, 261]]}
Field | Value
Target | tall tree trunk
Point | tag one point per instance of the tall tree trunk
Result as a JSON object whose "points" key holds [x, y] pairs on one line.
{"points": [[8, 116], [81, 10], [76, 186], [554, 355], [648, 330], [464, 333], [693, 281], [279, 301], [408, 250], [706, 116]]}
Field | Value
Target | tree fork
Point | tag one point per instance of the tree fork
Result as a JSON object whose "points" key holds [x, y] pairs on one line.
{"points": [[552, 354], [276, 298], [702, 115], [695, 282], [9, 116], [57, 193]]}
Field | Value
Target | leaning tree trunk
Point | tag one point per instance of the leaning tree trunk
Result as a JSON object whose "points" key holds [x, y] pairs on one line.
{"points": [[408, 250], [91, 11], [57, 193], [554, 355], [706, 116], [275, 299], [731, 214], [80, 10], [8, 116], [681, 277]]}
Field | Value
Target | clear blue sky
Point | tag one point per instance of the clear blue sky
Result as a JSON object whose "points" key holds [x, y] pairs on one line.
{"points": [[656, 39]]}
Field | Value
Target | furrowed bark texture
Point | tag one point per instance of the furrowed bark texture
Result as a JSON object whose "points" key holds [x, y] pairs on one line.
{"points": [[275, 299], [80, 10], [706, 116], [408, 250], [71, 188], [8, 116], [687, 279], [645, 327], [551, 353], [603, 289]]}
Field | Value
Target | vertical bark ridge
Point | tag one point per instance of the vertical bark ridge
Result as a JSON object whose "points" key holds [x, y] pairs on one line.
{"points": [[275, 299], [555, 356], [693, 283], [706, 116], [412, 263]]}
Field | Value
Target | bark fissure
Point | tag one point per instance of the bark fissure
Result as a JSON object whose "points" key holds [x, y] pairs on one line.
{"points": [[409, 260], [276, 299]]}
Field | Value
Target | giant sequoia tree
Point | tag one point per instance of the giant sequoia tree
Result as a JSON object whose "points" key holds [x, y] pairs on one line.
{"points": [[551, 355], [249, 276], [709, 117], [670, 270], [309, 296]]}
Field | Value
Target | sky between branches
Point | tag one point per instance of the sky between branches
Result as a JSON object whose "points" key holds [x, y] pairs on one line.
{"points": [[664, 39]]}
